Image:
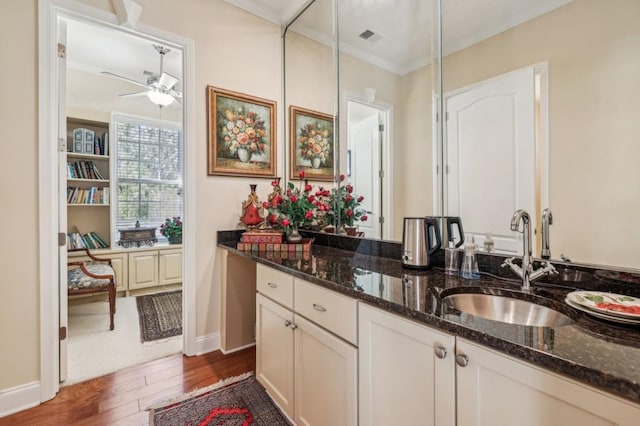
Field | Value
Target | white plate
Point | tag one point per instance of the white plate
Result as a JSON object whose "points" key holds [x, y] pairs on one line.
{"points": [[591, 299], [601, 316]]}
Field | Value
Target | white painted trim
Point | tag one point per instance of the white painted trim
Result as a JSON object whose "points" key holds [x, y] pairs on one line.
{"points": [[237, 349], [19, 398], [208, 343], [48, 13], [387, 181]]}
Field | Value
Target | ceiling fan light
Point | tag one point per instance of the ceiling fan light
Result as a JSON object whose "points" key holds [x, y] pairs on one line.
{"points": [[159, 98]]}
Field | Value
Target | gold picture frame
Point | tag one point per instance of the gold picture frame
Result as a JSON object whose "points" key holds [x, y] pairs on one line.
{"points": [[241, 134], [311, 144]]}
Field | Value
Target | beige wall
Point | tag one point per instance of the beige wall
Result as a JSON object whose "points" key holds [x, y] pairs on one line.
{"points": [[234, 50], [592, 50], [19, 290]]}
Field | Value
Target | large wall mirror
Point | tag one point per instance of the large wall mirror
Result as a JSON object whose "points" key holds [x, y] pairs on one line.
{"points": [[542, 112]]}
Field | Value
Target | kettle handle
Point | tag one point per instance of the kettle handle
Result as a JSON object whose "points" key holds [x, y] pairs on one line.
{"points": [[432, 222], [450, 222]]}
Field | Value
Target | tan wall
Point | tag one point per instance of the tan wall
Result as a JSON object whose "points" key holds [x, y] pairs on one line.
{"points": [[234, 50], [19, 289], [592, 50]]}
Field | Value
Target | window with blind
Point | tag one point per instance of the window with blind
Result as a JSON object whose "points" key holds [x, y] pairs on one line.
{"points": [[148, 172]]}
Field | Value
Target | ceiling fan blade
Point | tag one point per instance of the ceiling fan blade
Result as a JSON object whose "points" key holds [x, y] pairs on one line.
{"points": [[133, 94], [125, 79], [167, 81], [175, 93]]}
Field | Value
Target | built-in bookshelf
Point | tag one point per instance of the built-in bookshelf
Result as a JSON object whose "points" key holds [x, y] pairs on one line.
{"points": [[88, 183]]}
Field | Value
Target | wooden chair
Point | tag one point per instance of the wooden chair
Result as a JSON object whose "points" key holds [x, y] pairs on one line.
{"points": [[92, 276]]}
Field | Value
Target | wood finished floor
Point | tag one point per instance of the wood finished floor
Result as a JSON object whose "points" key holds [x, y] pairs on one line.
{"points": [[121, 398]]}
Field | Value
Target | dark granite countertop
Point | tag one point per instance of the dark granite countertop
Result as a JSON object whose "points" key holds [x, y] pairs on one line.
{"points": [[601, 354]]}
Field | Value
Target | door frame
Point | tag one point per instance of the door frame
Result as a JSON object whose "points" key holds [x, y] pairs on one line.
{"points": [[387, 156], [49, 11]]}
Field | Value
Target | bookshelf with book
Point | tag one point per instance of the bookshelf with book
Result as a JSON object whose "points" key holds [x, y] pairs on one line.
{"points": [[88, 183]]}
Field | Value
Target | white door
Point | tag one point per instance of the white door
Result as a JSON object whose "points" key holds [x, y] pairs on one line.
{"points": [[406, 372], [62, 191], [497, 390], [365, 164], [326, 377], [490, 157], [274, 352]]}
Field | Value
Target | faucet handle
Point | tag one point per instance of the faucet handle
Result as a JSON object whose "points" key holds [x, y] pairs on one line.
{"points": [[548, 267], [507, 262]]}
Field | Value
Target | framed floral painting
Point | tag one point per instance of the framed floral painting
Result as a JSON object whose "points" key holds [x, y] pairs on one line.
{"points": [[311, 144], [241, 134]]}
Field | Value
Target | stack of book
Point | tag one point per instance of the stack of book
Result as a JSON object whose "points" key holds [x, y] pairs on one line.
{"points": [[269, 240], [91, 241], [93, 195], [83, 170]]}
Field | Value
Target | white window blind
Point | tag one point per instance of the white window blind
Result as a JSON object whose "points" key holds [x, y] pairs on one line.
{"points": [[148, 172]]}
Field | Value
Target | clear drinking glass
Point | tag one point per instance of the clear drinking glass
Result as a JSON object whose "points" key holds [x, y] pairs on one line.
{"points": [[451, 256]]}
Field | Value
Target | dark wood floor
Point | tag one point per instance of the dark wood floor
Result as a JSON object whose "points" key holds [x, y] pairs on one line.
{"points": [[121, 398]]}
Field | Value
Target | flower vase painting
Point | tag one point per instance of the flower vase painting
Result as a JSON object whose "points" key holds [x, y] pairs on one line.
{"points": [[241, 134], [312, 147]]}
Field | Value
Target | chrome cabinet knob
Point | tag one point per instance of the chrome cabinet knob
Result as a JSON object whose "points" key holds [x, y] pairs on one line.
{"points": [[287, 323], [440, 351], [462, 360]]}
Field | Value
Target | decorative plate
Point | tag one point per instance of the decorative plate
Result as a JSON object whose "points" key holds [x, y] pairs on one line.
{"points": [[602, 316], [607, 303]]}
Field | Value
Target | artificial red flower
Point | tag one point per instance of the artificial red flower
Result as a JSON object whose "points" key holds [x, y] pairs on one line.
{"points": [[308, 214], [301, 174], [360, 198], [364, 218], [348, 198], [285, 222], [265, 204], [349, 189], [342, 178], [307, 188], [311, 198], [349, 212], [293, 198]]}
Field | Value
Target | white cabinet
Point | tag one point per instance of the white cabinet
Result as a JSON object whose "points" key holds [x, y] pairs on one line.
{"points": [[143, 269], [407, 371], [310, 372], [499, 390], [152, 268], [274, 352], [170, 266]]}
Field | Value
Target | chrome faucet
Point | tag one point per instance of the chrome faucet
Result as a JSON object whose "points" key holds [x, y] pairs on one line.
{"points": [[547, 219], [526, 271]]}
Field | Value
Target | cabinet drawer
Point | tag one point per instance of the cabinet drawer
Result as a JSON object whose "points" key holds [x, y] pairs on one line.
{"points": [[276, 285], [333, 311]]}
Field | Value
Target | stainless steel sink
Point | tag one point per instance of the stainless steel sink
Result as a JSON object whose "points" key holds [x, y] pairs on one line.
{"points": [[507, 309]]}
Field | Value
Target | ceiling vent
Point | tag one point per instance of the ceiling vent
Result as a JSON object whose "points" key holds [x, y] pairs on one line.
{"points": [[367, 34], [370, 36]]}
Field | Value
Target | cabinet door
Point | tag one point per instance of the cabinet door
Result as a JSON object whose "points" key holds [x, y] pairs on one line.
{"points": [[325, 377], [143, 269], [119, 264], [402, 381], [494, 389], [170, 267], [274, 352]]}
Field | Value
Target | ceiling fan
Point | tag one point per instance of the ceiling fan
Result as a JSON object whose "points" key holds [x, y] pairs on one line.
{"points": [[159, 87]]}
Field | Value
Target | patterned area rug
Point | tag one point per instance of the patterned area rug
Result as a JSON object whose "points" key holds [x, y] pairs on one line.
{"points": [[160, 315], [239, 400]]}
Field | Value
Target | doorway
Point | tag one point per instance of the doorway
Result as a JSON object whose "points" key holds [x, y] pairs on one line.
{"points": [[135, 155], [51, 105], [368, 163], [496, 155]]}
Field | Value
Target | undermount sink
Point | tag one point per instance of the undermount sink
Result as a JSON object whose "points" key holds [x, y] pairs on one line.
{"points": [[507, 309]]}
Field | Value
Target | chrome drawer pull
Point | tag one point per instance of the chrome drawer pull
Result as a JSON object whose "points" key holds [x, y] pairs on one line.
{"points": [[462, 360], [272, 285], [287, 323], [440, 351], [293, 326], [319, 308]]}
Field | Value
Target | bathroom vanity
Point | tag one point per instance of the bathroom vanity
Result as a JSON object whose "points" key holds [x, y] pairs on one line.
{"points": [[347, 336]]}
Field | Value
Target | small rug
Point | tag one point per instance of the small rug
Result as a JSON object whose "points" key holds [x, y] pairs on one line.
{"points": [[160, 315], [239, 400]]}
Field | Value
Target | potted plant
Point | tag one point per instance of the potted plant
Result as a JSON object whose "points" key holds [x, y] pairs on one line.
{"points": [[172, 229], [293, 208], [345, 208]]}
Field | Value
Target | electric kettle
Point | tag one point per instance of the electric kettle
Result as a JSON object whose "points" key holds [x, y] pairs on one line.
{"points": [[418, 245], [446, 225]]}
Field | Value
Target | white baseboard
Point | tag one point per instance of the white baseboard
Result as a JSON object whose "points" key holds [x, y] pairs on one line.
{"points": [[19, 398], [230, 351], [208, 343]]}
